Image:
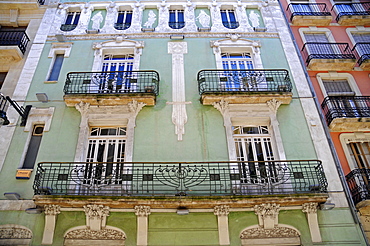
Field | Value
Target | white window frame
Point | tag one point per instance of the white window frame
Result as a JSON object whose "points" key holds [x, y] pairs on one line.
{"points": [[238, 46], [57, 49], [356, 137], [303, 31], [337, 76]]}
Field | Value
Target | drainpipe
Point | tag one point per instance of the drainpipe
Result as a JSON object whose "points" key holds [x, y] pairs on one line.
{"points": [[327, 133]]}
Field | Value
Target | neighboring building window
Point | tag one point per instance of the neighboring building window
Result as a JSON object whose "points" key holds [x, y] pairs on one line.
{"points": [[337, 87], [176, 19], [118, 76], [33, 147], [229, 19], [2, 78], [71, 21], [252, 144], [319, 44], [55, 69], [106, 145], [301, 8], [362, 46], [360, 154], [123, 20]]}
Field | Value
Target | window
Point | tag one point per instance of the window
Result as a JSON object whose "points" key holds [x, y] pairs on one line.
{"points": [[123, 20], [228, 19], [360, 154], [2, 78], [55, 69], [71, 21], [107, 146], [176, 19], [362, 45], [253, 145], [318, 44], [33, 147], [337, 87], [301, 8], [118, 76], [236, 61]]}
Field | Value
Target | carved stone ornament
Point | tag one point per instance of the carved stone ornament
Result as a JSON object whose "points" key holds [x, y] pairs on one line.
{"points": [[135, 107], [273, 105], [96, 211], [83, 108], [142, 211], [14, 232], [267, 209], [222, 106], [222, 210], [277, 232], [105, 234], [51, 209], [310, 208]]}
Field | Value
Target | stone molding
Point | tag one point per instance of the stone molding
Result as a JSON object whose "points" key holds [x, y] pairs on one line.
{"points": [[95, 211], [142, 211], [12, 231], [310, 208], [276, 232], [222, 210], [104, 234], [52, 209], [267, 214]]}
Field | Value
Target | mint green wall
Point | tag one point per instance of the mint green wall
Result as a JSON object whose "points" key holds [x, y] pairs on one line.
{"points": [[192, 229]]}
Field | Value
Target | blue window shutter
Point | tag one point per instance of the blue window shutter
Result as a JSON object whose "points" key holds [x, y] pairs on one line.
{"points": [[120, 18], [172, 17], [128, 18], [232, 17], [69, 19], [77, 17], [55, 70], [223, 16], [180, 16]]}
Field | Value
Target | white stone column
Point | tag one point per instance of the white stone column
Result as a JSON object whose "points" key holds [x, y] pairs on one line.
{"points": [[142, 213], [311, 213], [273, 107], [51, 212], [134, 108], [179, 116], [83, 108], [222, 213]]}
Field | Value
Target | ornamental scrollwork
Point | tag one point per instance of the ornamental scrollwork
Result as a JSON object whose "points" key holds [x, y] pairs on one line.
{"points": [[277, 232], [51, 209], [105, 234], [96, 211], [142, 211], [221, 210]]}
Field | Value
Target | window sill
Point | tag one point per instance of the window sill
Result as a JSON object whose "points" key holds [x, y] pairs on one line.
{"points": [[51, 82]]}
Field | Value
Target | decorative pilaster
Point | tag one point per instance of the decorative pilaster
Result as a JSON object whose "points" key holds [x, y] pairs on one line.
{"points": [[222, 213], [267, 215], [311, 213], [96, 216], [142, 213], [134, 108], [274, 105], [83, 108], [179, 116], [51, 212]]}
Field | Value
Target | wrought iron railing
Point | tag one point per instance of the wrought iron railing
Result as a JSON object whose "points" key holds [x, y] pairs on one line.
{"points": [[362, 52], [358, 183], [307, 9], [18, 38], [314, 50], [68, 27], [345, 107], [176, 25], [180, 178], [231, 25], [122, 26], [351, 9], [3, 107], [41, 2], [112, 82], [244, 80]]}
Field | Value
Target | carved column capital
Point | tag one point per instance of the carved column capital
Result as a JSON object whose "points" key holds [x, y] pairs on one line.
{"points": [[51, 209], [222, 106], [267, 214], [83, 108], [221, 210], [135, 107], [142, 211], [96, 211], [273, 105], [309, 208]]}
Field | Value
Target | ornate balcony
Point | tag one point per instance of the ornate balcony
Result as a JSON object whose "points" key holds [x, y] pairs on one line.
{"points": [[67, 27], [130, 180], [111, 88], [347, 113], [231, 25], [122, 26], [352, 14], [328, 56], [309, 14], [362, 52], [13, 45], [176, 25], [358, 183], [244, 86]]}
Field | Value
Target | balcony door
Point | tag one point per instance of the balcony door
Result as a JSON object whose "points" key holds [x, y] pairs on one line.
{"points": [[236, 80], [319, 45], [254, 148], [107, 147], [362, 44], [117, 76]]}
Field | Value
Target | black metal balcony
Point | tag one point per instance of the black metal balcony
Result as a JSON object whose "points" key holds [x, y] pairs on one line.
{"points": [[362, 51], [346, 107], [122, 26], [122, 82], [231, 25], [351, 9], [176, 25], [242, 81], [307, 9], [358, 183], [67, 27], [180, 179], [17, 38]]}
